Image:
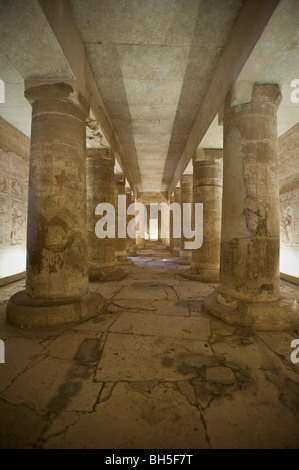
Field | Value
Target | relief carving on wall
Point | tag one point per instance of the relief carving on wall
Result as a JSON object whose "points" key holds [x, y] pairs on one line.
{"points": [[289, 218], [13, 199]]}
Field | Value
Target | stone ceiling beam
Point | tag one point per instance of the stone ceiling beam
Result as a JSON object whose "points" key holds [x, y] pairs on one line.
{"points": [[248, 28], [60, 18]]}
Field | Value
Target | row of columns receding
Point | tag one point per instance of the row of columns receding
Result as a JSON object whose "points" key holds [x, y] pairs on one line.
{"points": [[240, 196]]}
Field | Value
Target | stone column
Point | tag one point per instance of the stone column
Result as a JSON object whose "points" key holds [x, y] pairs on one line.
{"points": [[186, 197], [248, 293], [140, 238], [177, 241], [207, 189], [133, 240], [130, 242], [171, 239], [120, 243], [159, 223], [166, 238], [148, 221], [57, 288], [100, 188]]}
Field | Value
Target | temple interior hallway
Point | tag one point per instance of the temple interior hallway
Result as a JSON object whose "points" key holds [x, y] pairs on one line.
{"points": [[153, 372]]}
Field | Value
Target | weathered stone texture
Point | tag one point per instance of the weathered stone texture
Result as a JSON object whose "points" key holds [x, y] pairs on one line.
{"points": [[131, 242], [288, 160], [57, 289], [14, 170], [289, 187], [119, 190], [250, 218], [171, 239], [207, 189], [249, 290], [13, 211], [100, 188], [57, 238], [289, 222], [186, 197], [177, 199]]}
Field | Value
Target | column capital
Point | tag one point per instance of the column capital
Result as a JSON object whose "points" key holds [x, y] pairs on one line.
{"points": [[102, 153], [246, 92], [94, 135], [177, 191], [62, 91], [119, 179], [186, 180], [243, 93], [267, 92], [207, 154]]}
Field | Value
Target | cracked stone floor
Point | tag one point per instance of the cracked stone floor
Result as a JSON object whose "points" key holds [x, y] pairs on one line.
{"points": [[152, 372]]}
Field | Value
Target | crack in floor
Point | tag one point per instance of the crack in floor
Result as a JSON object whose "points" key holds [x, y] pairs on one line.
{"points": [[198, 395]]}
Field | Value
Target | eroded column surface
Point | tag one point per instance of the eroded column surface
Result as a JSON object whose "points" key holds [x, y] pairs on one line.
{"points": [[120, 243], [140, 233], [131, 242], [249, 278], [171, 239], [176, 241], [165, 235], [186, 197], [57, 289], [100, 189], [207, 189]]}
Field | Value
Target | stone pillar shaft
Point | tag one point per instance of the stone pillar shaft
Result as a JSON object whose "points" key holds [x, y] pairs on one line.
{"points": [[250, 218], [207, 189], [186, 197], [57, 237], [128, 203], [119, 190], [120, 243], [100, 188], [249, 294], [171, 239], [57, 289], [177, 241], [148, 220], [140, 237], [130, 242], [159, 221]]}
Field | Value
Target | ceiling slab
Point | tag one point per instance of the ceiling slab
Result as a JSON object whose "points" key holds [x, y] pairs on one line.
{"points": [[275, 60], [152, 62], [23, 28]]}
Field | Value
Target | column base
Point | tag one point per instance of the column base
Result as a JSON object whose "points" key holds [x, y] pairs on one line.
{"points": [[123, 260], [205, 275], [25, 312], [282, 314], [133, 253], [111, 273], [175, 253]]}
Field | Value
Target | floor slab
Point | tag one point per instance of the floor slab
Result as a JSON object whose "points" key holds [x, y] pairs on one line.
{"points": [[153, 371]]}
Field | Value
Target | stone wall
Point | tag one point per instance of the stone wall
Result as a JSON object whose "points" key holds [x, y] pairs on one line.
{"points": [[14, 168], [288, 145], [289, 222]]}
